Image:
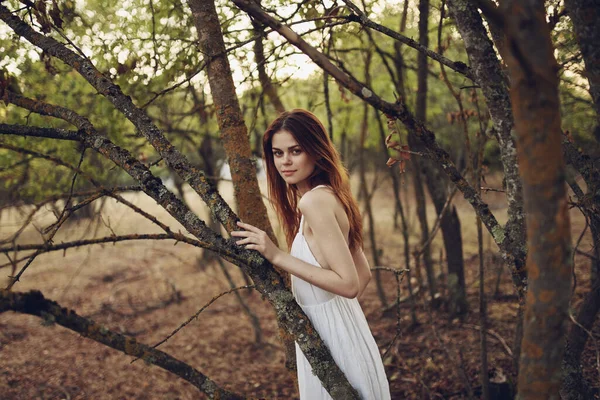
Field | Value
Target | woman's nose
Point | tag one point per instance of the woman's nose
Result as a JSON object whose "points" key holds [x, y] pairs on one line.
{"points": [[287, 159]]}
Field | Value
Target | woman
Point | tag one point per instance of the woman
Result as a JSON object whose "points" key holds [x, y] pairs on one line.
{"points": [[310, 190]]}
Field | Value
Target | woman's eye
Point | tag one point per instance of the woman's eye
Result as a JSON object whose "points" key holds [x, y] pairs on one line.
{"points": [[296, 151], [277, 153]]}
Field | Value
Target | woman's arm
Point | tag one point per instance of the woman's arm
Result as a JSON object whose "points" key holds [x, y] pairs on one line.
{"points": [[318, 208]]}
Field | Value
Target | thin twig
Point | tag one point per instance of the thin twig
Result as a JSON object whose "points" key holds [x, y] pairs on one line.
{"points": [[437, 224], [195, 316], [399, 275], [495, 334]]}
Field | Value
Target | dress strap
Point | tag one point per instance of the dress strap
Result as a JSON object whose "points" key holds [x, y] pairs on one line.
{"points": [[318, 186]]}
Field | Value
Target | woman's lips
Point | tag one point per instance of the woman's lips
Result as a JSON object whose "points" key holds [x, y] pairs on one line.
{"points": [[287, 173]]}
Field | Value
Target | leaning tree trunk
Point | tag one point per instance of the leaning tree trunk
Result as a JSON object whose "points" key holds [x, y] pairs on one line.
{"points": [[436, 184], [534, 95], [487, 69]]}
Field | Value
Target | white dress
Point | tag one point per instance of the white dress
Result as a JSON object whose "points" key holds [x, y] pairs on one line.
{"points": [[343, 327]]}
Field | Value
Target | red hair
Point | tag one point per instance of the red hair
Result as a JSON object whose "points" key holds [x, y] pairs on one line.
{"points": [[313, 139]]}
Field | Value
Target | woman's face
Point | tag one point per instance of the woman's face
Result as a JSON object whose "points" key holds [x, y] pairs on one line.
{"points": [[292, 162]]}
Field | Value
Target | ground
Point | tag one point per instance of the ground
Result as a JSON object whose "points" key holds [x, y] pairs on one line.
{"points": [[147, 289]]}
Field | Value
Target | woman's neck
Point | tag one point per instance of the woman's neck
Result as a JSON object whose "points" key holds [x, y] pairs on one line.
{"points": [[303, 188]]}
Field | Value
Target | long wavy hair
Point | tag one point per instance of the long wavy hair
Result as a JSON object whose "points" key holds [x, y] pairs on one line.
{"points": [[329, 170]]}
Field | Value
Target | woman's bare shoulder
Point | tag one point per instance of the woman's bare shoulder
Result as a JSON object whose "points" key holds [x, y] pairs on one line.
{"points": [[320, 199]]}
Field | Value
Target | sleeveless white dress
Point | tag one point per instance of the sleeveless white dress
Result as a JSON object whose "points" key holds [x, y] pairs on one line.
{"points": [[343, 327]]}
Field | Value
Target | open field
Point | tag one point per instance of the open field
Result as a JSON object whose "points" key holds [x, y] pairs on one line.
{"points": [[147, 289]]}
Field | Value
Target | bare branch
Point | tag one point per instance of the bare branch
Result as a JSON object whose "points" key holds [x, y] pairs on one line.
{"points": [[362, 19], [195, 316], [34, 303], [138, 117], [49, 247], [53, 159], [396, 110], [52, 133], [85, 193], [151, 185]]}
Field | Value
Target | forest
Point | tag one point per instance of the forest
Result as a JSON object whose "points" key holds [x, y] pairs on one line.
{"points": [[131, 145]]}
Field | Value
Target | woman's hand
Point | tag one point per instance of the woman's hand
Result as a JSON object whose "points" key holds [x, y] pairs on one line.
{"points": [[258, 240]]}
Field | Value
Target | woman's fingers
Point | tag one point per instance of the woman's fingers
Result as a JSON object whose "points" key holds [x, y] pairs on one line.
{"points": [[253, 238], [248, 237], [241, 233], [248, 227], [247, 240]]}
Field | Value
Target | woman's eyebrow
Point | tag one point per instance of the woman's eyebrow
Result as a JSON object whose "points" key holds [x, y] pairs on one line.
{"points": [[291, 147]]}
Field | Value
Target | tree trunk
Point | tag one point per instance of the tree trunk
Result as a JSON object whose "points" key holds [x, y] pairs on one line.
{"points": [[365, 190], [488, 72], [234, 134], [585, 15], [534, 95], [574, 385], [400, 210], [450, 224], [421, 205], [413, 142], [400, 87]]}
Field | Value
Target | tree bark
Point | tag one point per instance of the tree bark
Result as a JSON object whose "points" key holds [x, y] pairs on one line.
{"points": [[488, 72], [574, 385], [233, 131], [534, 95]]}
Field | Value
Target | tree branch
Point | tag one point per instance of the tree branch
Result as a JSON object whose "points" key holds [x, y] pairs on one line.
{"points": [[34, 131], [47, 247], [34, 303], [362, 19], [138, 117], [151, 185], [396, 110]]}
